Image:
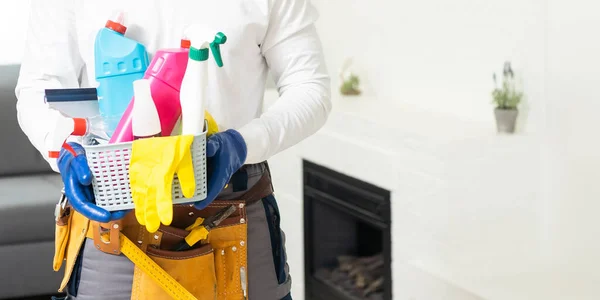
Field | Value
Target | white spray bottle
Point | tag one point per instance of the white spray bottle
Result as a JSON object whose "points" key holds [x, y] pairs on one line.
{"points": [[63, 127], [192, 93]]}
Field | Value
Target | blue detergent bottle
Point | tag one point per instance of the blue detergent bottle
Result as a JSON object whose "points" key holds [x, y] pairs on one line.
{"points": [[119, 61]]}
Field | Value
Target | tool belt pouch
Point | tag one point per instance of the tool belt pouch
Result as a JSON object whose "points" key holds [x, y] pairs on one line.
{"points": [[213, 269], [61, 237], [230, 242], [224, 271], [71, 229], [194, 269]]}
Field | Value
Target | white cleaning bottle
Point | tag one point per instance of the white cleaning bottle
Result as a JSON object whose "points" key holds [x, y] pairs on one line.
{"points": [[145, 122], [192, 93]]}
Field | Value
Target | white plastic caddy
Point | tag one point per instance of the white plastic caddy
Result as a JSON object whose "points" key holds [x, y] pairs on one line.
{"points": [[109, 164]]}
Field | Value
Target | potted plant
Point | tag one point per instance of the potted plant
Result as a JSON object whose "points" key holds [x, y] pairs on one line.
{"points": [[350, 86], [506, 99], [350, 82]]}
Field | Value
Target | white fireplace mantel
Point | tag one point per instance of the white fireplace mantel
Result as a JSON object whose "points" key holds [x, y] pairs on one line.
{"points": [[457, 231]]}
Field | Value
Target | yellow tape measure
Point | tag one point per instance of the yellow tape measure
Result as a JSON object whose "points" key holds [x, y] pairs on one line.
{"points": [[162, 278]]}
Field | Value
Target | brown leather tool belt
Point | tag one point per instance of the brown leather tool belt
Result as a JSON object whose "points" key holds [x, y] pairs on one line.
{"points": [[214, 268], [183, 216]]}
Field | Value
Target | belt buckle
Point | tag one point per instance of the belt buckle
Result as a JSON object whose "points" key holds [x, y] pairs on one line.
{"points": [[107, 236]]}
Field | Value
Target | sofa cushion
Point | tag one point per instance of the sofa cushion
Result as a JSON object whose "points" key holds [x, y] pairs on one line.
{"points": [[27, 208], [27, 271], [17, 155]]}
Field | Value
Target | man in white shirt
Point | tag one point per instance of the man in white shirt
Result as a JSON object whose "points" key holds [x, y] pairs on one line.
{"points": [[276, 36]]}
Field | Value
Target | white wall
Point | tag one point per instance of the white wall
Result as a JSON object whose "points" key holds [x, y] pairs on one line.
{"points": [[13, 28], [435, 54], [572, 120]]}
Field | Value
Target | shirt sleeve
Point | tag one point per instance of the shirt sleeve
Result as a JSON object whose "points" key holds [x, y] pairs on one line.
{"points": [[51, 60], [293, 51]]}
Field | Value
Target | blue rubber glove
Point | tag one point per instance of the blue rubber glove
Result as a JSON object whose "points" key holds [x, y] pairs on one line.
{"points": [[77, 178], [226, 153]]}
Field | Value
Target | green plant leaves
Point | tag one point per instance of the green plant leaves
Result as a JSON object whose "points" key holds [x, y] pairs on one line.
{"points": [[506, 97], [350, 86]]}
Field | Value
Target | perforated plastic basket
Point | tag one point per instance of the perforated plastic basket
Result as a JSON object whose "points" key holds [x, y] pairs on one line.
{"points": [[110, 166]]}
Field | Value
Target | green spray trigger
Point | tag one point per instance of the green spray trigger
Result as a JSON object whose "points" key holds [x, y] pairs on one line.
{"points": [[215, 47]]}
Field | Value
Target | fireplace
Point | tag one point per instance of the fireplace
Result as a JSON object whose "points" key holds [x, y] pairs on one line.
{"points": [[347, 237]]}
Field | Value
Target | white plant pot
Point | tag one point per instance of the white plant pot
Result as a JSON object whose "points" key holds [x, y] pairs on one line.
{"points": [[506, 120]]}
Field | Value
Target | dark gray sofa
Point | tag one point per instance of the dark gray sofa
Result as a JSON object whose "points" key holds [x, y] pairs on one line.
{"points": [[29, 190]]}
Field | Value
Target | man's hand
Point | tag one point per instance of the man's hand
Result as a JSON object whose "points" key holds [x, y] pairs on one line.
{"points": [[77, 178], [226, 153]]}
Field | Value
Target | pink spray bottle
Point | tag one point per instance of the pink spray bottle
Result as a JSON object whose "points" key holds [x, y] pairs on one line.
{"points": [[165, 74]]}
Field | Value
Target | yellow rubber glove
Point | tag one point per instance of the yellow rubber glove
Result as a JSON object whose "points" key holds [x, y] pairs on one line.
{"points": [[153, 163], [212, 124]]}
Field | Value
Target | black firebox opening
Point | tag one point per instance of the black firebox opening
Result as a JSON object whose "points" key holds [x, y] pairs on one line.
{"points": [[347, 237]]}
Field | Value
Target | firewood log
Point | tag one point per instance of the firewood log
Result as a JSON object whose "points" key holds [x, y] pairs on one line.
{"points": [[376, 285], [346, 262]]}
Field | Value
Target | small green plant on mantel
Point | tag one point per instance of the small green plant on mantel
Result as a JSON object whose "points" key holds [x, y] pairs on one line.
{"points": [[350, 86], [350, 81], [506, 99]]}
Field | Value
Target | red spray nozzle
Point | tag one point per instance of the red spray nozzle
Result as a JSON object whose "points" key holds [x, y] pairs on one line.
{"points": [[117, 22], [185, 42], [63, 128]]}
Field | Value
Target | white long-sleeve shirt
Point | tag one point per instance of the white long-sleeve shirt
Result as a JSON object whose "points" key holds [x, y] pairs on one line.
{"points": [[262, 35]]}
